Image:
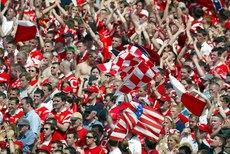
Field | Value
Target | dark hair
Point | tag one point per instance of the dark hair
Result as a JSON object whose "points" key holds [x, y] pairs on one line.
{"points": [[203, 151], [71, 150], [202, 31], [26, 75], [59, 144], [52, 126], [14, 89], [49, 87], [113, 143], [93, 68], [39, 91], [14, 99], [185, 149], [6, 149], [75, 135], [29, 101], [100, 128], [197, 12], [61, 95], [150, 144], [95, 135]]}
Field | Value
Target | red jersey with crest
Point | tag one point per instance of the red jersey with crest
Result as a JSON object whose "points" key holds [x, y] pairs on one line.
{"points": [[42, 113]]}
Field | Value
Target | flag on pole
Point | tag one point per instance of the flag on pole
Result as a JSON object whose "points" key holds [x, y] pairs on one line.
{"points": [[138, 119], [193, 104], [26, 30]]}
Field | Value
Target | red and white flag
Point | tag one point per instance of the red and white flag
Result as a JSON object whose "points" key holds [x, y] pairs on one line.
{"points": [[138, 119], [26, 30], [193, 104], [78, 2]]}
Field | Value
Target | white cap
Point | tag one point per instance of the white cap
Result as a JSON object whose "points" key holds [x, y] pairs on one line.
{"points": [[181, 5], [144, 12]]}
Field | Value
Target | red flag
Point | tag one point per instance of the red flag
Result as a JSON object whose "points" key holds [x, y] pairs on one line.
{"points": [[147, 124], [192, 103], [26, 31]]}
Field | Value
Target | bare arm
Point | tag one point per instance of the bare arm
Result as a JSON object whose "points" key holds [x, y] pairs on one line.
{"points": [[59, 19]]}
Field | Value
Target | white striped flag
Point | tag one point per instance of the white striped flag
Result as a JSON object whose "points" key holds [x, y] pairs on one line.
{"points": [[193, 104], [26, 30], [138, 119]]}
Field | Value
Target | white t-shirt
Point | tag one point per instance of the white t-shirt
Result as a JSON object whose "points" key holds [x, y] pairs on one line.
{"points": [[135, 145], [6, 25], [115, 151]]}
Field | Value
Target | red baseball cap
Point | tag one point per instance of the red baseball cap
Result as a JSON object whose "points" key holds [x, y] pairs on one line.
{"points": [[93, 89], [204, 128], [68, 89], [165, 98], [44, 148]]}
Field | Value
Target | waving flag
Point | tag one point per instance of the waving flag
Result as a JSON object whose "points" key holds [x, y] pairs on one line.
{"points": [[138, 119], [193, 104], [26, 31], [134, 67], [212, 4]]}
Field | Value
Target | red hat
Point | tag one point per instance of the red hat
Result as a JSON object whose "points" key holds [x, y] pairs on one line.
{"points": [[144, 13], [204, 128], [165, 98], [68, 89], [60, 39], [43, 148], [93, 89]]}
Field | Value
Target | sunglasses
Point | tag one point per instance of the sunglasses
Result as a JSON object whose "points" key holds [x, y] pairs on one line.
{"points": [[31, 71], [89, 137], [45, 128]]}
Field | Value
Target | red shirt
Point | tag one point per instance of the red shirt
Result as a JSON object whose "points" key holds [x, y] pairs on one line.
{"points": [[42, 113], [13, 118], [62, 117], [4, 77], [95, 150]]}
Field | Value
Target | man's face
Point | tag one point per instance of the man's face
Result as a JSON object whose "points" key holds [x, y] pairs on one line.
{"points": [[10, 48], [12, 106], [81, 47], [215, 122], [92, 58], [48, 47], [37, 99], [54, 69], [70, 139], [21, 60], [192, 122], [24, 106], [47, 130], [13, 93], [53, 147], [174, 112], [46, 91], [10, 14], [200, 38], [89, 139], [184, 73], [49, 37], [24, 83], [214, 57], [116, 42], [216, 142], [57, 103], [69, 55], [33, 44], [76, 123]]}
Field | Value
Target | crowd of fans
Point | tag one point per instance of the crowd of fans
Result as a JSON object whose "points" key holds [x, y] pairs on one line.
{"points": [[54, 99]]}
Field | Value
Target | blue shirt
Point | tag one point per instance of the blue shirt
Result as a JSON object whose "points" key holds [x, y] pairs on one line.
{"points": [[35, 121], [27, 140]]}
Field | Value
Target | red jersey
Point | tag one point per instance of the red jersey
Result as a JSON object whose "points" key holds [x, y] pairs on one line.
{"points": [[4, 77], [221, 69], [97, 149], [42, 113], [13, 118]]}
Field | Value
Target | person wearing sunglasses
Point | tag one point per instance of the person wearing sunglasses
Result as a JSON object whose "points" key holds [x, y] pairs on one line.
{"points": [[92, 141]]}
